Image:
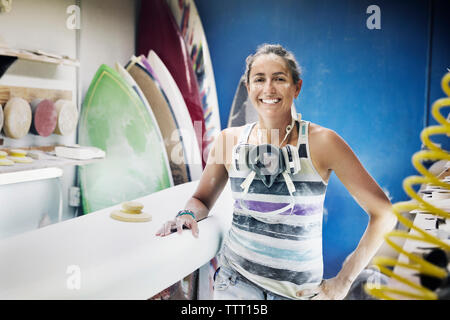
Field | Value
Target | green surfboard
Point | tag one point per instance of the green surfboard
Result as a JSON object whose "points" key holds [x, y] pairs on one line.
{"points": [[114, 119]]}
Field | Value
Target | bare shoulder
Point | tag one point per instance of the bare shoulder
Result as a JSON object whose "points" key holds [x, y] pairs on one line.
{"points": [[232, 132], [224, 144], [325, 145], [229, 137], [322, 136]]}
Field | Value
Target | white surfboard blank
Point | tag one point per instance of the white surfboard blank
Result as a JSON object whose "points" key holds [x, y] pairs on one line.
{"points": [[181, 113]]}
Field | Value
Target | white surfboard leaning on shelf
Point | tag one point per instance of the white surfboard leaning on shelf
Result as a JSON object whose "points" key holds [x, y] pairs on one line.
{"points": [[187, 17], [181, 113]]}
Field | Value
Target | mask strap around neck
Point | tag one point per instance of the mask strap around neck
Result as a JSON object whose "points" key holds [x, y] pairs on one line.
{"points": [[248, 181]]}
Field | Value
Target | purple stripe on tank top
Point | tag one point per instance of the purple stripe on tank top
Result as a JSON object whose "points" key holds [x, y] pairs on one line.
{"points": [[299, 209]]}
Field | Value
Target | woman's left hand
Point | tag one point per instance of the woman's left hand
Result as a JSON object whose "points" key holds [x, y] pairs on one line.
{"points": [[329, 289]]}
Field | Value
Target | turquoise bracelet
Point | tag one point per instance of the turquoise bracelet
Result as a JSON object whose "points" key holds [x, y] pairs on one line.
{"points": [[189, 212]]}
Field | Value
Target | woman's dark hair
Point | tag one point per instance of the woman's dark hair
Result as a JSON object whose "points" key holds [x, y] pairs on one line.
{"points": [[279, 51]]}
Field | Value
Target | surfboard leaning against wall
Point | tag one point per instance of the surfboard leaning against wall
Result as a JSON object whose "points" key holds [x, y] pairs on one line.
{"points": [[114, 119], [191, 27], [158, 31]]}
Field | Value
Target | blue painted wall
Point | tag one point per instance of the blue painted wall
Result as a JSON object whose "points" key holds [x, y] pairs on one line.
{"points": [[439, 61], [370, 86]]}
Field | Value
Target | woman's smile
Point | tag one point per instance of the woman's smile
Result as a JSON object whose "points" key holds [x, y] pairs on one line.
{"points": [[271, 101]]}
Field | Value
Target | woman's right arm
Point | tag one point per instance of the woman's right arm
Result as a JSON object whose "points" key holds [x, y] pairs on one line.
{"points": [[212, 182]]}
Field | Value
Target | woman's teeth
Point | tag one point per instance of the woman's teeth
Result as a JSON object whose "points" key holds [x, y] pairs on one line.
{"points": [[270, 101]]}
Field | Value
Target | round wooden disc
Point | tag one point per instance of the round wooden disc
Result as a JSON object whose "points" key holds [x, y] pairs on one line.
{"points": [[18, 116], [44, 117], [67, 117], [130, 217]]}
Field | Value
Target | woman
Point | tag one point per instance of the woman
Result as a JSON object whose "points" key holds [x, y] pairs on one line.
{"points": [[274, 247]]}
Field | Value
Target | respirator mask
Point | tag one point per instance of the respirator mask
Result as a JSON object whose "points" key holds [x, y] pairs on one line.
{"points": [[266, 162]]}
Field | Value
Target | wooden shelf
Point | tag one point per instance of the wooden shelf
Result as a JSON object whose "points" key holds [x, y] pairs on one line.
{"points": [[48, 166], [9, 55], [39, 56]]}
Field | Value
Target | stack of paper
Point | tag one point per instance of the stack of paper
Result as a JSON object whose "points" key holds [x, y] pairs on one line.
{"points": [[79, 153]]}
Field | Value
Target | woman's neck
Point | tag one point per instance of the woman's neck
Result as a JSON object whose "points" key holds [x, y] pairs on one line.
{"points": [[273, 131]]}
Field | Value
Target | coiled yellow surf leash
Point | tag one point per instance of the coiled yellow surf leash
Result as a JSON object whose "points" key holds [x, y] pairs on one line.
{"points": [[416, 291]]}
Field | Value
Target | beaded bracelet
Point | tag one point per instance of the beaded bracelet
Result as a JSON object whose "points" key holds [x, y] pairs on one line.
{"points": [[183, 212]]}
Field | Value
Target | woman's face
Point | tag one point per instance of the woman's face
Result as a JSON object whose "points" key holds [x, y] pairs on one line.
{"points": [[271, 88]]}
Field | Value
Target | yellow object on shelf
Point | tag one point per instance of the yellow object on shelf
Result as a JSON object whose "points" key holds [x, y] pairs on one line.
{"points": [[19, 156], [3, 160], [131, 212], [415, 262], [17, 153]]}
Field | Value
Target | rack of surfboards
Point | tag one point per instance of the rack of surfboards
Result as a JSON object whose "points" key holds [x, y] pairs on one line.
{"points": [[155, 116], [159, 110]]}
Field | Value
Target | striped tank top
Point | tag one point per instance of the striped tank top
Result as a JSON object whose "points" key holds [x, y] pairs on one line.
{"points": [[280, 251]]}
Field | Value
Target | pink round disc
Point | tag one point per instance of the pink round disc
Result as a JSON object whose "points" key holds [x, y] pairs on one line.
{"points": [[44, 118]]}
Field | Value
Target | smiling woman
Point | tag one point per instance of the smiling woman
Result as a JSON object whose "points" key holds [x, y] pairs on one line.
{"points": [[274, 247]]}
